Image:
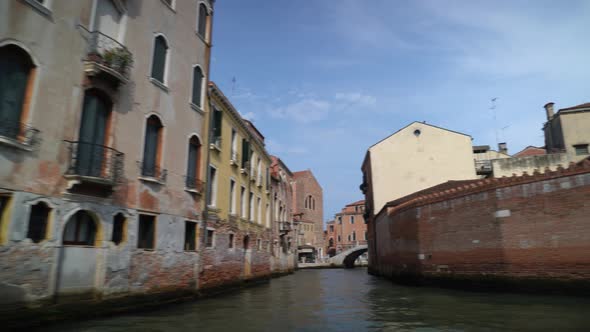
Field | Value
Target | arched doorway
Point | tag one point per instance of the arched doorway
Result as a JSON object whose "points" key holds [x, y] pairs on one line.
{"points": [[77, 270]]}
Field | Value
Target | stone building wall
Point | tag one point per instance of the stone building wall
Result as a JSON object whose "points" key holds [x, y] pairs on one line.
{"points": [[528, 227]]}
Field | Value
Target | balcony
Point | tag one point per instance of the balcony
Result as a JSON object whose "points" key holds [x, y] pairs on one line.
{"points": [[18, 135], [215, 144], [106, 58], [245, 167], [152, 173], [235, 157], [94, 164], [253, 175], [285, 226], [194, 185]]}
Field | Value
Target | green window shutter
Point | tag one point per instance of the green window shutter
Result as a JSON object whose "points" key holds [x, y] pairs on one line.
{"points": [[197, 85], [150, 149], [245, 152], [15, 67], [202, 27], [216, 124], [159, 59], [193, 159]]}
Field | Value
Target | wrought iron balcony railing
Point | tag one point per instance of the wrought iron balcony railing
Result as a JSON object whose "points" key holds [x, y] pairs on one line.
{"points": [[108, 52], [235, 158], [216, 143], [100, 162], [19, 133], [152, 171], [194, 183]]}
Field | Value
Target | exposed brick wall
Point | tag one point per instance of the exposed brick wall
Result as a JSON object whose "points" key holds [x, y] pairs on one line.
{"points": [[529, 226], [306, 184], [222, 265]]}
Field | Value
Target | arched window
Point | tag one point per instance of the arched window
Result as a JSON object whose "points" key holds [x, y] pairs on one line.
{"points": [[80, 230], [197, 85], [152, 147], [313, 203], [192, 170], [16, 72], [159, 59], [118, 229], [38, 222], [353, 235], [202, 23]]}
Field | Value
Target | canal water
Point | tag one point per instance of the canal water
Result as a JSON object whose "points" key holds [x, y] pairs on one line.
{"points": [[352, 300]]}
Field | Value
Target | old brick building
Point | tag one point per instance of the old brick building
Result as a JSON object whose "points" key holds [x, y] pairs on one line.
{"points": [[347, 230], [284, 230], [308, 209]]}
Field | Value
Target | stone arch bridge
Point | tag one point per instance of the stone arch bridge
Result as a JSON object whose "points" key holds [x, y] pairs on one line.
{"points": [[348, 257]]}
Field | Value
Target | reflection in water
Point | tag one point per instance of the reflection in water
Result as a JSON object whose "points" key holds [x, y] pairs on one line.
{"points": [[351, 300]]}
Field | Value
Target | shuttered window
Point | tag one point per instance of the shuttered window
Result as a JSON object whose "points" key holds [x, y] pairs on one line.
{"points": [[245, 153], [159, 59], [38, 222], [192, 173], [150, 150], [202, 24], [197, 85], [15, 70]]}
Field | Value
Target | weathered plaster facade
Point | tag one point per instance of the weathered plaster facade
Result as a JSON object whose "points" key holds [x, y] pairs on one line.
{"points": [[69, 56]]}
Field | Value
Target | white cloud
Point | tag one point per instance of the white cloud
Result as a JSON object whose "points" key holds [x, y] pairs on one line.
{"points": [[356, 98], [278, 148], [304, 110]]}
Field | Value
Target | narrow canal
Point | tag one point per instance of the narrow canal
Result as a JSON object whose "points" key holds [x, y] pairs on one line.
{"points": [[352, 300]]}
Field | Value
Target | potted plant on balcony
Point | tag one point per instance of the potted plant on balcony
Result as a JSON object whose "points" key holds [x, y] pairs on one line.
{"points": [[118, 59]]}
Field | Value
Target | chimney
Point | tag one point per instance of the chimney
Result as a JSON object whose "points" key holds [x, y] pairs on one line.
{"points": [[549, 110], [503, 148]]}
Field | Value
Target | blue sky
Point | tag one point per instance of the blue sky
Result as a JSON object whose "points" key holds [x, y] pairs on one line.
{"points": [[325, 79]]}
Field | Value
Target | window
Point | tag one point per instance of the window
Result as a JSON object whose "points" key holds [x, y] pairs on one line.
{"points": [[38, 222], [246, 243], [234, 145], [212, 199], [351, 220], [339, 238], [190, 236], [267, 221], [210, 235], [146, 232], [259, 210], [152, 147], [80, 230], [259, 244], [353, 235], [348, 237], [159, 59], [16, 73], [231, 241], [118, 229], [259, 172], [232, 196], [339, 220], [251, 212], [581, 149], [331, 229], [197, 86], [92, 136], [216, 140], [245, 153], [243, 202], [202, 23], [192, 169]]}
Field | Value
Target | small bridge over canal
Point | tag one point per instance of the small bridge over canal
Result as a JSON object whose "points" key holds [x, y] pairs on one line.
{"points": [[348, 257]]}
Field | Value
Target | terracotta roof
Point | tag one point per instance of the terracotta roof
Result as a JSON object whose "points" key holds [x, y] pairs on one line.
{"points": [[361, 202], [577, 107], [531, 151]]}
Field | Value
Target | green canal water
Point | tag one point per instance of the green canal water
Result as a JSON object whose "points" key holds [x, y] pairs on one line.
{"points": [[352, 300]]}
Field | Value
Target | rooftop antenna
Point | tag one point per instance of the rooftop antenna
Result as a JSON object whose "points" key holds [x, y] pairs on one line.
{"points": [[233, 85], [493, 108]]}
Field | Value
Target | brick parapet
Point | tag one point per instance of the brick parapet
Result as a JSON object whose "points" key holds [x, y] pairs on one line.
{"points": [[457, 189]]}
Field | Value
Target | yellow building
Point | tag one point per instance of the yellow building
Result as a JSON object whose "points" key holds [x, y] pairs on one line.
{"points": [[237, 230]]}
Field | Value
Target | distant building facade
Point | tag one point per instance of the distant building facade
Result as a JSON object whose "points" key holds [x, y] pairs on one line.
{"points": [[308, 204], [417, 156], [347, 230], [284, 254]]}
